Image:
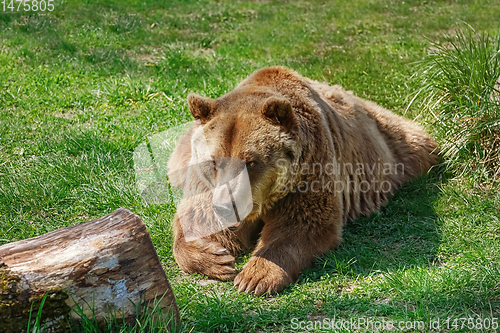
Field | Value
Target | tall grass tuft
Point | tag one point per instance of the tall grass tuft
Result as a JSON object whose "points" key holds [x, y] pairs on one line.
{"points": [[460, 88], [149, 319]]}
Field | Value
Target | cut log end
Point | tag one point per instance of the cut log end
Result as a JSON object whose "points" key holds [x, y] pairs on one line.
{"points": [[108, 264]]}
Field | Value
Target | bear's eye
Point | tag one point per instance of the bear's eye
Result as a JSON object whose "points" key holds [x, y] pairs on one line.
{"points": [[251, 164]]}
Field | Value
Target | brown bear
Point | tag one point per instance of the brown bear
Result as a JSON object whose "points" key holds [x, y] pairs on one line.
{"points": [[316, 156]]}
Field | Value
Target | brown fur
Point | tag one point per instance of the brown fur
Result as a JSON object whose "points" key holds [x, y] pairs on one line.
{"points": [[284, 121]]}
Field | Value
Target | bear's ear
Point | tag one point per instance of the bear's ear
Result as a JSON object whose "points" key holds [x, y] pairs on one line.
{"points": [[200, 107], [280, 110]]}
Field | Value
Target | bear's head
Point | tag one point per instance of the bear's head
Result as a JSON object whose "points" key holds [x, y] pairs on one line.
{"points": [[247, 140]]}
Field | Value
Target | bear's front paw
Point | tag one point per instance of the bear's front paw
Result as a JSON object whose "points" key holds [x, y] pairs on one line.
{"points": [[207, 258], [262, 276]]}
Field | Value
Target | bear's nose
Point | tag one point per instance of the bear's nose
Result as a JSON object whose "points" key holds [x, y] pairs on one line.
{"points": [[224, 211]]}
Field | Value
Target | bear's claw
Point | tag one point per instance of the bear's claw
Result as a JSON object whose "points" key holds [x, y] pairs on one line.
{"points": [[221, 263], [261, 276], [206, 257]]}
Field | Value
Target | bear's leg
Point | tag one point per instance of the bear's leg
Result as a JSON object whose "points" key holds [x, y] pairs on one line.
{"points": [[213, 255], [284, 250], [202, 256]]}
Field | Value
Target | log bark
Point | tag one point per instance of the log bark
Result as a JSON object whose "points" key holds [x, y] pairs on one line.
{"points": [[495, 95], [108, 264]]}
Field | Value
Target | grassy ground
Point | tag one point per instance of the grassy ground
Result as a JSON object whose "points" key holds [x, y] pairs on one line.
{"points": [[83, 85]]}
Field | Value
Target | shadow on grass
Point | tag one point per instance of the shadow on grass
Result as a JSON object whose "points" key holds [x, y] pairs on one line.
{"points": [[404, 233]]}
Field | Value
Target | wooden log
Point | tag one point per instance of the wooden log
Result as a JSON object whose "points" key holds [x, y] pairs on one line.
{"points": [[109, 264], [495, 95]]}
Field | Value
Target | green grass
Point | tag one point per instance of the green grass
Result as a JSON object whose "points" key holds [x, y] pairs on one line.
{"points": [[148, 319], [82, 86], [461, 89]]}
